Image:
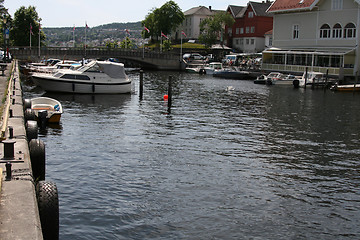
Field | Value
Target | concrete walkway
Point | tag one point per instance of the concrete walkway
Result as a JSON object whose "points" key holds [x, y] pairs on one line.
{"points": [[19, 216]]}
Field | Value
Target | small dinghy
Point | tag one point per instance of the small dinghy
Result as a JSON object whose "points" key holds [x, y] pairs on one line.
{"points": [[43, 107]]}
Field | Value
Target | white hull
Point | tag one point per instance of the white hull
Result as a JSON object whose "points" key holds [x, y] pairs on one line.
{"points": [[57, 85]]}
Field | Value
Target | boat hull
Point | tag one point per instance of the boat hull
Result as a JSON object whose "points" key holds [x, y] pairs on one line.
{"points": [[65, 86], [52, 107]]}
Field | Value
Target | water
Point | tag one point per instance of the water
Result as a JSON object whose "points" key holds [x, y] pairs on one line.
{"points": [[257, 162]]}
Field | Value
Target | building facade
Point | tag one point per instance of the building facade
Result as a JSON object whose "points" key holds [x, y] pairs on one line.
{"points": [[191, 24], [321, 35], [251, 24]]}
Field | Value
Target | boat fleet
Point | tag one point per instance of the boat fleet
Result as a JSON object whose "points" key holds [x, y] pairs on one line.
{"points": [[228, 70]]}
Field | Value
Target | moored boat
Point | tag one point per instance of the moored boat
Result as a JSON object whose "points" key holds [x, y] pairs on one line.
{"points": [[95, 77], [346, 88], [51, 108], [231, 73], [309, 78]]}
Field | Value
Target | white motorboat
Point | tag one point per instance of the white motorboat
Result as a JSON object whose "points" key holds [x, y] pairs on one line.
{"points": [[309, 78], [95, 77], [213, 67], [52, 108], [286, 79]]}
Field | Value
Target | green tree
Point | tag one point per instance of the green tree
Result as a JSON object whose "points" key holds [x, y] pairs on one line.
{"points": [[111, 45], [127, 43], [166, 45], [212, 28], [164, 19], [5, 18], [26, 20]]}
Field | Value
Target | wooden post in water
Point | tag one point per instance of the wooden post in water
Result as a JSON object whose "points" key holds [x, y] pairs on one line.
{"points": [[141, 84], [356, 80], [326, 79], [306, 75], [170, 94]]}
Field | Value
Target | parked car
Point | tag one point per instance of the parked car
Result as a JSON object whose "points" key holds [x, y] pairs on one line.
{"points": [[193, 56]]}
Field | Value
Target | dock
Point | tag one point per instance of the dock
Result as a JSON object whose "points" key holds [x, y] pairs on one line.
{"points": [[19, 212]]}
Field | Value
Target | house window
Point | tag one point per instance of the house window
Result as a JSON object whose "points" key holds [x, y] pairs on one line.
{"points": [[237, 30], [270, 41], [295, 31], [325, 31], [251, 14], [252, 29], [247, 41], [241, 30], [237, 41], [247, 30], [241, 41], [349, 30], [337, 31], [252, 41], [336, 4]]}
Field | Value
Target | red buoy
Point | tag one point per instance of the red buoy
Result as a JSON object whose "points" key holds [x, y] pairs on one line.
{"points": [[166, 97]]}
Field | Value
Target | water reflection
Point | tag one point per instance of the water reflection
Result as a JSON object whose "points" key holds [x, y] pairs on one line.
{"points": [[253, 162]]}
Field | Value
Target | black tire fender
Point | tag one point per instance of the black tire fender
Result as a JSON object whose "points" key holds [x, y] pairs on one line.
{"points": [[37, 158], [31, 130], [26, 103], [29, 114], [48, 203]]}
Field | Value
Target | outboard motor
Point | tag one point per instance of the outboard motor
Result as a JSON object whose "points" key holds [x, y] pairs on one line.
{"points": [[42, 118]]}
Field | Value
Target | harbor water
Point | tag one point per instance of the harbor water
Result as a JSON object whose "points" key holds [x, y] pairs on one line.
{"points": [[232, 160]]}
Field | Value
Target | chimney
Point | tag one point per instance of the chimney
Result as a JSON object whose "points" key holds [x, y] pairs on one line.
{"points": [[210, 8]]}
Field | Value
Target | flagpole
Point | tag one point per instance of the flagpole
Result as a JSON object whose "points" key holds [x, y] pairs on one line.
{"points": [[161, 42], [30, 36], [85, 36], [143, 48], [74, 36], [39, 37], [181, 47]]}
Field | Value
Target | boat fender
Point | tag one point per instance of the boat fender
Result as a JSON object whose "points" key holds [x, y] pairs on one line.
{"points": [[29, 114], [27, 104], [48, 203], [31, 130], [37, 158]]}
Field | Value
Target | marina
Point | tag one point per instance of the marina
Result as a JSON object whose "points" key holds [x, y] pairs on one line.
{"points": [[232, 160]]}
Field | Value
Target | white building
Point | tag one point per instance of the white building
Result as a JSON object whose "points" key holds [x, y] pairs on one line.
{"points": [[191, 24], [320, 34]]}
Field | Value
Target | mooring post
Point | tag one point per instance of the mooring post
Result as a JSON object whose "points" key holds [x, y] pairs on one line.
{"points": [[141, 84], [326, 79], [170, 94], [9, 152], [11, 132], [356, 80], [306, 75]]}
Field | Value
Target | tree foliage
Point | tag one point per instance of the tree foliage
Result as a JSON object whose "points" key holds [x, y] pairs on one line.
{"points": [[127, 43], [5, 18], [26, 20], [211, 28], [164, 19]]}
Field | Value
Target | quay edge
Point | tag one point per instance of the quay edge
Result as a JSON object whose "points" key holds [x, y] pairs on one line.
{"points": [[19, 214]]}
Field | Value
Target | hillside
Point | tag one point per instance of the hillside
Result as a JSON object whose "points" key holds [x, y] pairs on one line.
{"points": [[95, 36]]}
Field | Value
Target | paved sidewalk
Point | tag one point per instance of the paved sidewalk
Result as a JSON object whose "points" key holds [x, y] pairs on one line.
{"points": [[19, 215]]}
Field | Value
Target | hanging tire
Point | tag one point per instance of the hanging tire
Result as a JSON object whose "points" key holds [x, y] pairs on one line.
{"points": [[29, 114], [26, 104], [31, 130], [48, 203], [37, 158]]}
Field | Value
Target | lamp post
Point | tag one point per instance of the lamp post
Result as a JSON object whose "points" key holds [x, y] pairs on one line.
{"points": [[39, 35]]}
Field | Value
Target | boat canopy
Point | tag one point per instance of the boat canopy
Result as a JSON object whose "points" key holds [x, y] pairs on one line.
{"points": [[112, 69]]}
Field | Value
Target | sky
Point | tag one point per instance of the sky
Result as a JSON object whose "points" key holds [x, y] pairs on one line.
{"points": [[67, 13]]}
